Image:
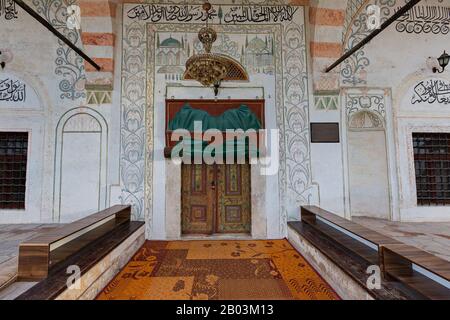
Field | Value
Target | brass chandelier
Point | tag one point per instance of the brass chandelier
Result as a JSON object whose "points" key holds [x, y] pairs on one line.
{"points": [[210, 69]]}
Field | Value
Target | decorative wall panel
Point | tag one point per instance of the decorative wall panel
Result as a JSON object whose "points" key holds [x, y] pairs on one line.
{"points": [[273, 48], [326, 102], [373, 101], [355, 29], [69, 65]]}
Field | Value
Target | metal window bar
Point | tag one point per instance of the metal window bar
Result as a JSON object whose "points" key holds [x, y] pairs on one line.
{"points": [[13, 167], [432, 167]]}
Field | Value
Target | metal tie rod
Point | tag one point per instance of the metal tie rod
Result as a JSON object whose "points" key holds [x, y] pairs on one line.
{"points": [[376, 32], [52, 29]]}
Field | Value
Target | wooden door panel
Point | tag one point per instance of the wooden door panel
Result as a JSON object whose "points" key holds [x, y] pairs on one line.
{"points": [[197, 199], [216, 198], [233, 199]]}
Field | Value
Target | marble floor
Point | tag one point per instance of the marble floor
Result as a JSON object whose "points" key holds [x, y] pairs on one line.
{"points": [[11, 235], [433, 237], [429, 236]]}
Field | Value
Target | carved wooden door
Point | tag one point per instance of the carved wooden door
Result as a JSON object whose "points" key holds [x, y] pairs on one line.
{"points": [[233, 197], [197, 199], [215, 199]]}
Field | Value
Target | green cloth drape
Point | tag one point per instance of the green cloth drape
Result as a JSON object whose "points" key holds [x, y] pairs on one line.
{"points": [[236, 147], [240, 118]]}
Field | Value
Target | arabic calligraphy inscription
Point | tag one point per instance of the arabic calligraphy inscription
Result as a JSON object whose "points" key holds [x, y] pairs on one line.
{"points": [[12, 90], [223, 14], [425, 19], [8, 9], [431, 91]]}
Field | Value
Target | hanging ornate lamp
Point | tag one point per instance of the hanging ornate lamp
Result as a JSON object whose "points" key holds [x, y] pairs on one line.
{"points": [[210, 69]]}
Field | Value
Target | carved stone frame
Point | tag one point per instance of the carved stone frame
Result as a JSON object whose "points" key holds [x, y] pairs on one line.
{"points": [[383, 110]]}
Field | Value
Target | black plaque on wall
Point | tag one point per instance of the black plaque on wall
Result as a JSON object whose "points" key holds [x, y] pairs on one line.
{"points": [[325, 132]]}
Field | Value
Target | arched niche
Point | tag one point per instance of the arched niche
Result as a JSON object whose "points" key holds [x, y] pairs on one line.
{"points": [[363, 120], [80, 181], [368, 165]]}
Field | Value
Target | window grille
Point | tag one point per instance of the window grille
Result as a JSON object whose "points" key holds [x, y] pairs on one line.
{"points": [[432, 166], [13, 167]]}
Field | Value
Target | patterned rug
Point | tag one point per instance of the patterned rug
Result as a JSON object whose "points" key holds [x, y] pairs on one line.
{"points": [[218, 270]]}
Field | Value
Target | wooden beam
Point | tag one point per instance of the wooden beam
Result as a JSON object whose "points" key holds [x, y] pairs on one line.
{"points": [[376, 32], [52, 29]]}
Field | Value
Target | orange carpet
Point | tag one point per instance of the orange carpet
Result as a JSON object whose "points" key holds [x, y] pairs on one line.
{"points": [[217, 270]]}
